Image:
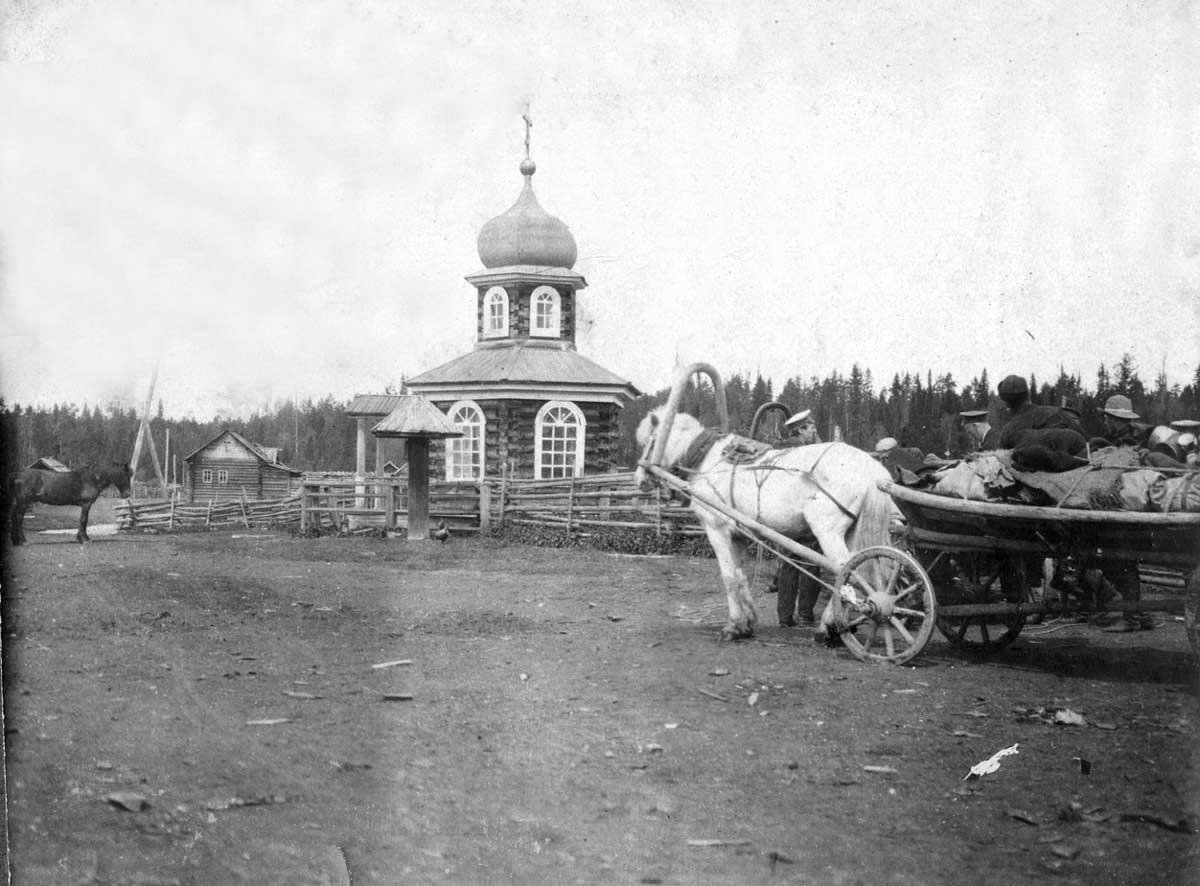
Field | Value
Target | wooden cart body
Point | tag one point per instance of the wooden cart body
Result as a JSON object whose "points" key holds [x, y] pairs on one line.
{"points": [[937, 525]]}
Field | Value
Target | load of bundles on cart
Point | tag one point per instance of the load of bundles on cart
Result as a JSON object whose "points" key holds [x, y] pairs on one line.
{"points": [[1044, 471]]}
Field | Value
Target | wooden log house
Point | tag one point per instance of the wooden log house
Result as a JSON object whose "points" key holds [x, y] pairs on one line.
{"points": [[229, 467]]}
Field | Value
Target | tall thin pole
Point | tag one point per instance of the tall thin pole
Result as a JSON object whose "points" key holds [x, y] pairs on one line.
{"points": [[144, 434]]}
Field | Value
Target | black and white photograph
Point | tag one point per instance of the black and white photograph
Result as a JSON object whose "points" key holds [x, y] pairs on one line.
{"points": [[683, 443]]}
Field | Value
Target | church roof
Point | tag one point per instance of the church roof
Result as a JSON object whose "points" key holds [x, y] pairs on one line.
{"points": [[526, 234], [368, 405], [524, 364]]}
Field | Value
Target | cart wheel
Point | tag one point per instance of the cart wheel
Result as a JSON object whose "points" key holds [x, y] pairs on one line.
{"points": [[891, 609], [1191, 611], [974, 577]]}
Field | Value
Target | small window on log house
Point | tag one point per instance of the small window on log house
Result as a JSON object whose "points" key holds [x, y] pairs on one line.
{"points": [[222, 475], [206, 475], [464, 455], [558, 440], [495, 313], [544, 311]]}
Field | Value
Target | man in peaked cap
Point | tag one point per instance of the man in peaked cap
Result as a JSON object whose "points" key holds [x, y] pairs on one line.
{"points": [[1024, 416], [801, 429], [1188, 439], [975, 426], [797, 593]]}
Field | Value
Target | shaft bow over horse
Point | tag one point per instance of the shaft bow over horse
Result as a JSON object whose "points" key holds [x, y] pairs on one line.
{"points": [[81, 486]]}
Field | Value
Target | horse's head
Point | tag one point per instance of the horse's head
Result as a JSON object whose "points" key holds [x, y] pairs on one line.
{"points": [[647, 433], [121, 476], [684, 428]]}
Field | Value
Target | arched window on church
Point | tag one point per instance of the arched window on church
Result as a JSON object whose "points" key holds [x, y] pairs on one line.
{"points": [[464, 455], [558, 440], [545, 312], [495, 313]]}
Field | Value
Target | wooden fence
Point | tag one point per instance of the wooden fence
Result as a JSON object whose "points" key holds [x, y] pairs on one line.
{"points": [[172, 515], [574, 503], [346, 503]]}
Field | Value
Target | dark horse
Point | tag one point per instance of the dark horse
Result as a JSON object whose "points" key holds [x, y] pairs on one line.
{"points": [[81, 486]]}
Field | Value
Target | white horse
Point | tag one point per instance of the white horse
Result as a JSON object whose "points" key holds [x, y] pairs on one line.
{"points": [[826, 490]]}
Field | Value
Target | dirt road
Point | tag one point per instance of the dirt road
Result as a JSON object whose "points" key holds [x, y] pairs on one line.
{"points": [[215, 708]]}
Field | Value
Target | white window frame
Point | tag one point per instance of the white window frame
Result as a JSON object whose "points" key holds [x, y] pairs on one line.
{"points": [[552, 328], [474, 438], [546, 458], [222, 476], [495, 323], [206, 475]]}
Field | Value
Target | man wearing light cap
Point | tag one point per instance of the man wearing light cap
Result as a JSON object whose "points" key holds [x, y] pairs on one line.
{"points": [[975, 426], [1188, 439], [1119, 423], [1107, 577], [797, 594], [801, 429]]}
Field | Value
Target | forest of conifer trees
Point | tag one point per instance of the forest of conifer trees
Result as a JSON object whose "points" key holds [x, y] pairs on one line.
{"points": [[920, 409]]}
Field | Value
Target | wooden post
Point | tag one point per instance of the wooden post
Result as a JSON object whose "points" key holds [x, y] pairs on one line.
{"points": [[418, 488], [485, 506], [503, 490], [208, 515], [570, 503], [303, 507], [389, 504], [245, 519], [171, 516]]}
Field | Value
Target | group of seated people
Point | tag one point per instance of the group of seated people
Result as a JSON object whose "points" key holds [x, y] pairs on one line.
{"points": [[1052, 438]]}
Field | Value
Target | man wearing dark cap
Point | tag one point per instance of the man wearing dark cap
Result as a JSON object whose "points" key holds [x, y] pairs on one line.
{"points": [[1024, 416]]}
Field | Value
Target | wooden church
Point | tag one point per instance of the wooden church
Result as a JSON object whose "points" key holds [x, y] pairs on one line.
{"points": [[528, 403]]}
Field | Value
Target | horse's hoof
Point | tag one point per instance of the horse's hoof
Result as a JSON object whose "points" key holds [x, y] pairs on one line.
{"points": [[731, 632]]}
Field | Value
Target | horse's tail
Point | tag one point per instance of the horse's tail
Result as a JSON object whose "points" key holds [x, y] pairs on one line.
{"points": [[874, 523]]}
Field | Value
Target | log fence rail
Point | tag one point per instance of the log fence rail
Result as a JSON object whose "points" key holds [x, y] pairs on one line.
{"points": [[348, 503]]}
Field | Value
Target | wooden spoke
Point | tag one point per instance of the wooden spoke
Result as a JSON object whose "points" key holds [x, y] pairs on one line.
{"points": [[901, 629]]}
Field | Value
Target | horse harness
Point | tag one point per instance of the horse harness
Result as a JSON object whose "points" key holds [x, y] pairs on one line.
{"points": [[742, 451]]}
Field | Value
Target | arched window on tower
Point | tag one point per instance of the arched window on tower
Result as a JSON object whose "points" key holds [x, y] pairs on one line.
{"points": [[495, 313], [464, 455], [545, 312], [558, 440]]}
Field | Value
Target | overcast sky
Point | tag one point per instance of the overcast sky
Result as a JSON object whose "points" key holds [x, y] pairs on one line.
{"points": [[282, 199]]}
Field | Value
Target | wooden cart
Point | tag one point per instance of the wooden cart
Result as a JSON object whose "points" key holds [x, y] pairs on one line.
{"points": [[980, 556]]}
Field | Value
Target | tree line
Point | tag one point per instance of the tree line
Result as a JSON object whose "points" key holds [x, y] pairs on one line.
{"points": [[919, 409]]}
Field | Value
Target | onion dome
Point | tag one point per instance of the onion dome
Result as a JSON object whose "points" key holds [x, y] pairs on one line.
{"points": [[526, 234]]}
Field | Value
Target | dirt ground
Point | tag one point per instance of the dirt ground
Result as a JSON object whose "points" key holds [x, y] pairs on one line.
{"points": [[208, 708]]}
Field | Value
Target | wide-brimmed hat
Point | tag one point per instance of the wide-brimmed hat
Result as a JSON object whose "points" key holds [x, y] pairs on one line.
{"points": [[1119, 406], [800, 416], [887, 444], [970, 416], [1186, 425]]}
